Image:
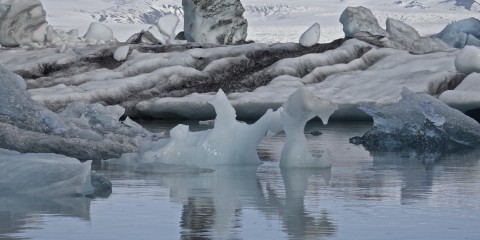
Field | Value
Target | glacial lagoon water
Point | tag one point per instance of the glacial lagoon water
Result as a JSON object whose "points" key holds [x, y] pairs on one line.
{"points": [[384, 196]]}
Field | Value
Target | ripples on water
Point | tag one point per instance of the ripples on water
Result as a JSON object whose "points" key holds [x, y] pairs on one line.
{"points": [[363, 196]]}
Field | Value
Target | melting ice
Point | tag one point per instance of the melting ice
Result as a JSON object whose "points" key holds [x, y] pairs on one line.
{"points": [[231, 142]]}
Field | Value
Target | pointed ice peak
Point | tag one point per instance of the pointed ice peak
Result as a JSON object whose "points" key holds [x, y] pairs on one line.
{"points": [[223, 108]]}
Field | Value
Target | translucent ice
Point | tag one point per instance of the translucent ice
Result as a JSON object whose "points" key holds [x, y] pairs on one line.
{"points": [[45, 174], [301, 107], [456, 34], [230, 142], [360, 19], [235, 143], [421, 123]]}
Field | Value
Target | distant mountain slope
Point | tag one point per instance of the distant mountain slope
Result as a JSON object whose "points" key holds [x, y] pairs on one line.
{"points": [[148, 11]]}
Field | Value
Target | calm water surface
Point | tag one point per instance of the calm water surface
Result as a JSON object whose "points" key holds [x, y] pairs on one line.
{"points": [[384, 196]]}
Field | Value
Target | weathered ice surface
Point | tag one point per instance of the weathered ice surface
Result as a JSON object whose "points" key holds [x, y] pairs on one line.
{"points": [[356, 20], [214, 21], [466, 96], [311, 36], [419, 123], [468, 60], [99, 32], [83, 131], [461, 33], [22, 22], [405, 37]]}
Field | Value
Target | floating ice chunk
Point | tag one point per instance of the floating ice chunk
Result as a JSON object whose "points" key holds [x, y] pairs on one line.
{"points": [[419, 123], [45, 174], [468, 60], [229, 143], [360, 19], [22, 23], [167, 25], [311, 36], [121, 53], [401, 31], [456, 34], [99, 32], [214, 21], [300, 107]]}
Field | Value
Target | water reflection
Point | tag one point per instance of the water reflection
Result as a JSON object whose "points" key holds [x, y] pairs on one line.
{"points": [[214, 203], [421, 175], [19, 213]]}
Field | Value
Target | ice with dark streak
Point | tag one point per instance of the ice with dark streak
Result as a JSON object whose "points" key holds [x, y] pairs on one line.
{"points": [[231, 142], [83, 131], [419, 123]]}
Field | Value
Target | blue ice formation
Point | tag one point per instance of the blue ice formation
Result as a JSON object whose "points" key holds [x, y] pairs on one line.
{"points": [[419, 123], [461, 33]]}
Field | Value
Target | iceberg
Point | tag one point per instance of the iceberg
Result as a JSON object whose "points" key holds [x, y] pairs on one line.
{"points": [[301, 107], [47, 175], [231, 142], [99, 32], [403, 36], [22, 23], [468, 60], [83, 131], [311, 36], [357, 20], [419, 123], [456, 34], [214, 21], [167, 25]]}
